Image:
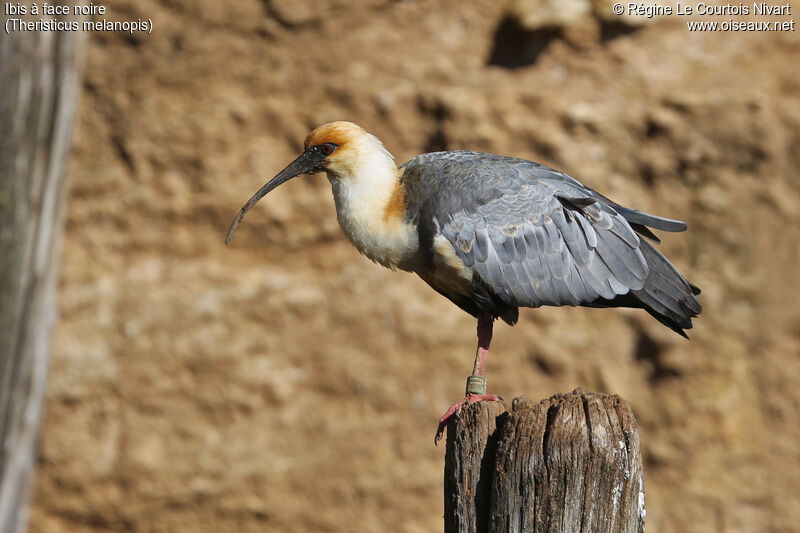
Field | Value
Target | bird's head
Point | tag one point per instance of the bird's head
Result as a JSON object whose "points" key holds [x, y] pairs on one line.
{"points": [[341, 142], [338, 148]]}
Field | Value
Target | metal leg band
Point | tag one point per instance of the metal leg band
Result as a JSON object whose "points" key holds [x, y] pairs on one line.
{"points": [[476, 385]]}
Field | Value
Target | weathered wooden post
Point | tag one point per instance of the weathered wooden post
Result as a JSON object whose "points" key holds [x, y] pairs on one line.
{"points": [[39, 83], [568, 463]]}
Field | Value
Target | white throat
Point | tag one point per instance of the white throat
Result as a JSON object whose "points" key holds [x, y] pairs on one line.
{"points": [[362, 195]]}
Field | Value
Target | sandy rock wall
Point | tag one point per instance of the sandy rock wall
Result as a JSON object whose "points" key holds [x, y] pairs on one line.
{"points": [[284, 383]]}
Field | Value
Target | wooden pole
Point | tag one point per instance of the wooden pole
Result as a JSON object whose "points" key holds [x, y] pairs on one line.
{"points": [[469, 466], [567, 463], [38, 90]]}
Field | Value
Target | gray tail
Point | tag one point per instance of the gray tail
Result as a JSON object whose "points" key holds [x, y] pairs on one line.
{"points": [[642, 222], [667, 295], [646, 219]]}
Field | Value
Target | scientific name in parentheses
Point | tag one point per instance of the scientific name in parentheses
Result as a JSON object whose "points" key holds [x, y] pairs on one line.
{"points": [[72, 25], [701, 8]]}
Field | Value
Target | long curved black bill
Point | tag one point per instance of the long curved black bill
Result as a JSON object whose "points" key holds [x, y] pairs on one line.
{"points": [[306, 162]]}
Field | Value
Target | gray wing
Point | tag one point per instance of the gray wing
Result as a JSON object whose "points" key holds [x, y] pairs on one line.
{"points": [[534, 235], [532, 250]]}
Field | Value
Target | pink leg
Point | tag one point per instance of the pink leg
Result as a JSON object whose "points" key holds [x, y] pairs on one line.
{"points": [[476, 383], [485, 323]]}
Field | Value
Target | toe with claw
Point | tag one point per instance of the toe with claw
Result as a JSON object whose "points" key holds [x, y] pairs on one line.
{"points": [[456, 408]]}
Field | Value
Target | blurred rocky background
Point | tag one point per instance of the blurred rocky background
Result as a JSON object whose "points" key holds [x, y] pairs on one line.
{"points": [[286, 384]]}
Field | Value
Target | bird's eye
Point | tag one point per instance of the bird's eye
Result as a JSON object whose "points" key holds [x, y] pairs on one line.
{"points": [[327, 148]]}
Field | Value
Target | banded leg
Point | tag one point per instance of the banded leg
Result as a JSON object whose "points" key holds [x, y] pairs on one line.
{"points": [[476, 383]]}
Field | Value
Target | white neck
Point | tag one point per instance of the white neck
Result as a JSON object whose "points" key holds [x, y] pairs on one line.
{"points": [[362, 194]]}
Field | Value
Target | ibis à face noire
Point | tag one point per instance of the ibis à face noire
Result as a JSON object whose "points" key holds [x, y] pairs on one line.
{"points": [[492, 234]]}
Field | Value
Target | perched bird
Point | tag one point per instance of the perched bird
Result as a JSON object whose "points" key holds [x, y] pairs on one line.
{"points": [[492, 234]]}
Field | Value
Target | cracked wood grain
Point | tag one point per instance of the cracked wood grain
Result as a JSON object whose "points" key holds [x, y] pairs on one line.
{"points": [[567, 463], [469, 464]]}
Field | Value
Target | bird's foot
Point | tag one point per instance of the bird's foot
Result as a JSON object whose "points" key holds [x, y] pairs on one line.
{"points": [[471, 397]]}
